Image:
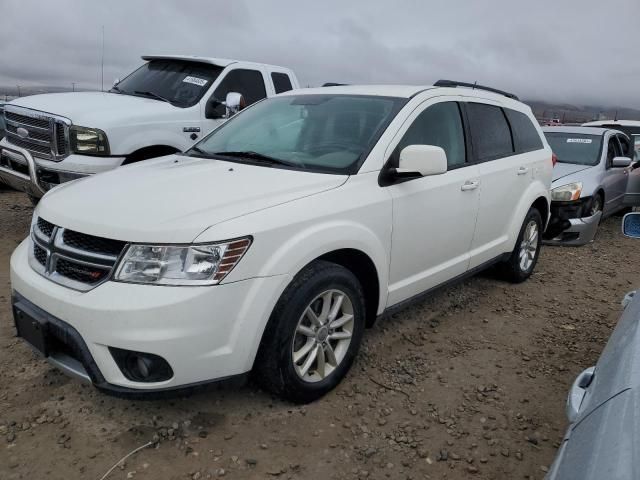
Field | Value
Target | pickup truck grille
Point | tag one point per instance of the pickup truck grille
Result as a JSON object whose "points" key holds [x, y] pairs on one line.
{"points": [[73, 259], [43, 135]]}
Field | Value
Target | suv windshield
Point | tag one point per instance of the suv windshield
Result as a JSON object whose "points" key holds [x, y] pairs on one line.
{"points": [[577, 148], [326, 133], [179, 82]]}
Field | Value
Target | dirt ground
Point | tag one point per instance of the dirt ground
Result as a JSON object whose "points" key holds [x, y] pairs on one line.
{"points": [[470, 383]]}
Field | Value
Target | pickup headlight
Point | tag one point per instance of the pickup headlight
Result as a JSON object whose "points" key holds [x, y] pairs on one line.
{"points": [[205, 264], [567, 193], [88, 141]]}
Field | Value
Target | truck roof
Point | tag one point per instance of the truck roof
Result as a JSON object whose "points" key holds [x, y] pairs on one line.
{"points": [[220, 62]]}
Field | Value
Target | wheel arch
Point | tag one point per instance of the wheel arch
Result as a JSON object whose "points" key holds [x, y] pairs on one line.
{"points": [[363, 267], [542, 205], [151, 151]]}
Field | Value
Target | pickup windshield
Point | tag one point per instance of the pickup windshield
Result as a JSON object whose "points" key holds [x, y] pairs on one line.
{"points": [[324, 133], [576, 148], [181, 83]]}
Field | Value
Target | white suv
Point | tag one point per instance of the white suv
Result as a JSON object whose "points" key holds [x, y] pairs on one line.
{"points": [[273, 243]]}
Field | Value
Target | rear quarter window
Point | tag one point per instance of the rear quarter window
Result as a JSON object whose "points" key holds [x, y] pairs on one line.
{"points": [[281, 82], [525, 135], [490, 132]]}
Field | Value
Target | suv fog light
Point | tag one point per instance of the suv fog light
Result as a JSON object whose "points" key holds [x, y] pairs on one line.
{"points": [[140, 366]]}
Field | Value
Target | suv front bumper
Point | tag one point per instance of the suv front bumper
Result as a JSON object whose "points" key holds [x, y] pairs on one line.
{"points": [[21, 171], [204, 333]]}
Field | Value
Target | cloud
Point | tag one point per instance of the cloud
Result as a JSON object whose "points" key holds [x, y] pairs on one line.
{"points": [[571, 51]]}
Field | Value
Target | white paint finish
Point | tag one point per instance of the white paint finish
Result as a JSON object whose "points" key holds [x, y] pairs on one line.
{"points": [[418, 234]]}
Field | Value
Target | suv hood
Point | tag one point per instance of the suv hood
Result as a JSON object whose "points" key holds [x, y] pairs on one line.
{"points": [[173, 199], [96, 109], [562, 170]]}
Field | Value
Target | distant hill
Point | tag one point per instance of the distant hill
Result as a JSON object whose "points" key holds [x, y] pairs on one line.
{"points": [[578, 114]]}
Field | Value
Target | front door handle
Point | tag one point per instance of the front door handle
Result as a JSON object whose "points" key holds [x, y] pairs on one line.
{"points": [[523, 170], [469, 185]]}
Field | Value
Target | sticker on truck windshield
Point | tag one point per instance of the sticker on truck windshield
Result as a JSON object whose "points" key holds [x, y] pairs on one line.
{"points": [[579, 140], [201, 82]]}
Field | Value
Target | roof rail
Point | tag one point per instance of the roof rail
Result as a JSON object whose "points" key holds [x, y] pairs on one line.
{"points": [[453, 83], [333, 84]]}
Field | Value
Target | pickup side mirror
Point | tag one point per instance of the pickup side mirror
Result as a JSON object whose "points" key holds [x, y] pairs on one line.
{"points": [[621, 162], [631, 225], [116, 82], [217, 109], [234, 103], [422, 159]]}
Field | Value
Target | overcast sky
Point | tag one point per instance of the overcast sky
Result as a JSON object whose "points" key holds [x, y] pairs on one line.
{"points": [[574, 51]]}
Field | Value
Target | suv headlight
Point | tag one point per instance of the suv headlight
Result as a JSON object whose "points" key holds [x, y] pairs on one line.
{"points": [[205, 264], [89, 141], [567, 193]]}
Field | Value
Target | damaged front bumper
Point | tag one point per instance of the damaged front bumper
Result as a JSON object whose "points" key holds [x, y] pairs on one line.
{"points": [[570, 223]]}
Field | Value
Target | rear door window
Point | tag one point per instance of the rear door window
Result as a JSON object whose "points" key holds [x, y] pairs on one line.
{"points": [[490, 132], [525, 135], [281, 82]]}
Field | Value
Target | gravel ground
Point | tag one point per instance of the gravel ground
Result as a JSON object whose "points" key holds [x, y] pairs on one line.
{"points": [[470, 383]]}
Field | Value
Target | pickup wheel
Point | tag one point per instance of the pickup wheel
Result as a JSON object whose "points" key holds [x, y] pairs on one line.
{"points": [[313, 335], [524, 256]]}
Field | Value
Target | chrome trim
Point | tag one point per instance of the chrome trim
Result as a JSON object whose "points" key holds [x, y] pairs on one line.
{"points": [[54, 122], [31, 163], [56, 249]]}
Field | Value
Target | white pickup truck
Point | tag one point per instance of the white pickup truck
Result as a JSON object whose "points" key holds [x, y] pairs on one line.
{"points": [[163, 107]]}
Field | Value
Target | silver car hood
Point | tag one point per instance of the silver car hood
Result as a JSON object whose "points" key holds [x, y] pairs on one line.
{"points": [[563, 169]]}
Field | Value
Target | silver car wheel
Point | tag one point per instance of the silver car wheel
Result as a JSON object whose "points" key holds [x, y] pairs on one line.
{"points": [[528, 246], [322, 336]]}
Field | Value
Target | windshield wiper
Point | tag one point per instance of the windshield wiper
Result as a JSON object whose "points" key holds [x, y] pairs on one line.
{"points": [[199, 151], [251, 155], [153, 95]]}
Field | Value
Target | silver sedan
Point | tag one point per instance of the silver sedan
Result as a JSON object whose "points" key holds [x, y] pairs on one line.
{"points": [[592, 179]]}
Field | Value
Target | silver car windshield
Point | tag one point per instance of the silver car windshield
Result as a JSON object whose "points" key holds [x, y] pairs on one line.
{"points": [[325, 133], [576, 148]]}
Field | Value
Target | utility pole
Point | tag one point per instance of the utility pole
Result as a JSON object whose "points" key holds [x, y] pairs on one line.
{"points": [[102, 63], [18, 90], [73, 86]]}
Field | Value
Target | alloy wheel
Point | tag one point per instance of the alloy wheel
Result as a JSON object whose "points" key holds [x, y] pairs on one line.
{"points": [[322, 336], [528, 246]]}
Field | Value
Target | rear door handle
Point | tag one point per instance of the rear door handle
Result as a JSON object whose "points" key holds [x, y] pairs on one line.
{"points": [[469, 185], [523, 170]]}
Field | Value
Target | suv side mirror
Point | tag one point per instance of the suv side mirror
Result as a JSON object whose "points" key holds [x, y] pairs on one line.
{"points": [[631, 225], [234, 103], [422, 159], [621, 162]]}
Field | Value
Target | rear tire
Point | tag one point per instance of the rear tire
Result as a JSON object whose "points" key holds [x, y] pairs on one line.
{"points": [[313, 335], [524, 256]]}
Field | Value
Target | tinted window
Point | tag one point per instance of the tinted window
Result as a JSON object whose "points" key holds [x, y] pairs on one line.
{"points": [[490, 131], [439, 125], [247, 82], [576, 148], [183, 83], [613, 150], [281, 82], [329, 133], [625, 146], [525, 135]]}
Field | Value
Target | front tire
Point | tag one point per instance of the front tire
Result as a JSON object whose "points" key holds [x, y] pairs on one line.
{"points": [[313, 335], [524, 256]]}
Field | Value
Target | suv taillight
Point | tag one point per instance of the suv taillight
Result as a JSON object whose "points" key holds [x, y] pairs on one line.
{"points": [[554, 159]]}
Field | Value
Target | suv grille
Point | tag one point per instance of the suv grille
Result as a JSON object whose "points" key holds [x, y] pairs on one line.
{"points": [[43, 135], [76, 260]]}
